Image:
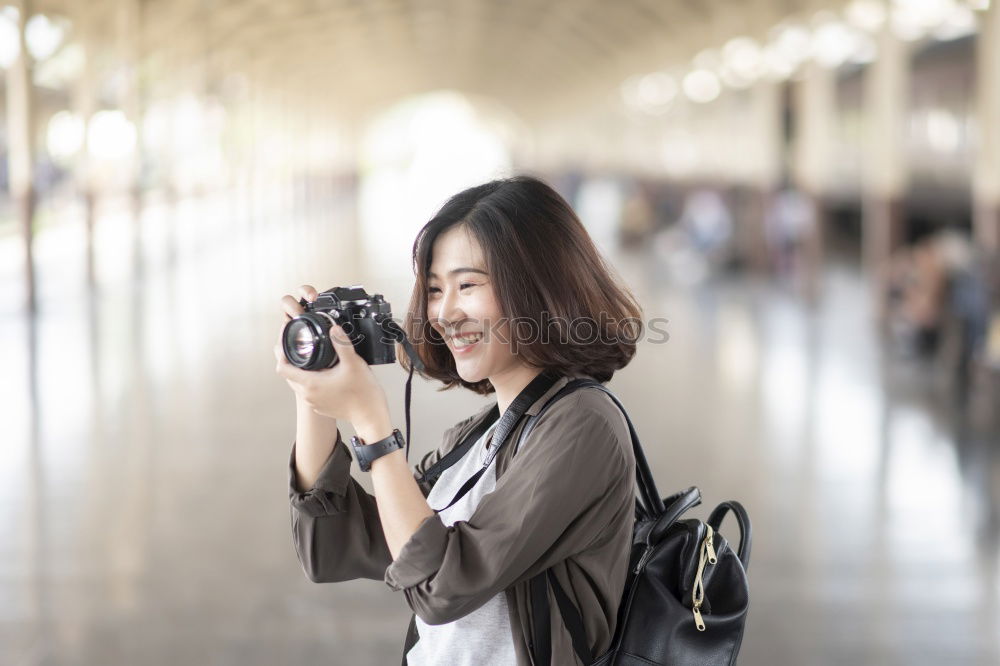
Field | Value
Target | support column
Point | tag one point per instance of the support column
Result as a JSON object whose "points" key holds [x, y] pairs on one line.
{"points": [[884, 175], [815, 106], [84, 105], [766, 116], [986, 177], [129, 29], [20, 159]]}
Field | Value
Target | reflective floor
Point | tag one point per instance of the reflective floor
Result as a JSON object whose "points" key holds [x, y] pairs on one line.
{"points": [[143, 508]]}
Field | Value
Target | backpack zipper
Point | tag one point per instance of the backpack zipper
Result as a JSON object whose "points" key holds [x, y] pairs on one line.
{"points": [[706, 554]]}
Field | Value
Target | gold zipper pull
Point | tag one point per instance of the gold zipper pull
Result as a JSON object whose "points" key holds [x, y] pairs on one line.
{"points": [[697, 619], [706, 553]]}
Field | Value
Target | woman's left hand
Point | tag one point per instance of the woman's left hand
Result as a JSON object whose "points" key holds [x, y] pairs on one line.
{"points": [[349, 390]]}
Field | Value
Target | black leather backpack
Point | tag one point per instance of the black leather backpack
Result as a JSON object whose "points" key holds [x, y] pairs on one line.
{"points": [[686, 596]]}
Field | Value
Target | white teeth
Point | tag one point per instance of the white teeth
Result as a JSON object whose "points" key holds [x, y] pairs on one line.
{"points": [[468, 340]]}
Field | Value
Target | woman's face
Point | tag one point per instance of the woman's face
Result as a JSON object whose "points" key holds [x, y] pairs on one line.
{"points": [[463, 308]]}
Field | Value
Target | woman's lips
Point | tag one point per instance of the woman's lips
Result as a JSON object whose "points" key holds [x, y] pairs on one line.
{"points": [[462, 347]]}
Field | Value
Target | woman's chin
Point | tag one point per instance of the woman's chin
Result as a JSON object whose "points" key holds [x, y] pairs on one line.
{"points": [[469, 373]]}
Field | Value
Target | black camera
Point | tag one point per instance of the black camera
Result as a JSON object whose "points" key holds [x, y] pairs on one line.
{"points": [[367, 320]]}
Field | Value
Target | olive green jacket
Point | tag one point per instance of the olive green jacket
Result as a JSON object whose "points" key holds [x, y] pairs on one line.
{"points": [[564, 499]]}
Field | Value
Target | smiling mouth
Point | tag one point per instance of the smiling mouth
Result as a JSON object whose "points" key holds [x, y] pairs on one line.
{"points": [[465, 341]]}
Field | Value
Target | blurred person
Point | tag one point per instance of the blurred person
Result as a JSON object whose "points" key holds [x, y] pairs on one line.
{"points": [[788, 225], [990, 272], [494, 256], [709, 225], [700, 242], [917, 289], [968, 302], [939, 286], [637, 218]]}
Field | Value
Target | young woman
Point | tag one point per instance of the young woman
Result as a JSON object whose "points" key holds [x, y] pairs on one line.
{"points": [[508, 285]]}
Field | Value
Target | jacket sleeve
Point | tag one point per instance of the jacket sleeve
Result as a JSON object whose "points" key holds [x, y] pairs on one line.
{"points": [[336, 528], [335, 524], [569, 479]]}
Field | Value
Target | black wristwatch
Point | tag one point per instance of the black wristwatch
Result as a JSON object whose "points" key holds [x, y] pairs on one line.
{"points": [[368, 453]]}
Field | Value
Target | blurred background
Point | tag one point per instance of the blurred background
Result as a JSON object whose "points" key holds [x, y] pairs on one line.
{"points": [[808, 191]]}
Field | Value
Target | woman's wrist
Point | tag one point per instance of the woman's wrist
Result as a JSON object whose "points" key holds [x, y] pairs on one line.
{"points": [[372, 431], [374, 424], [303, 410]]}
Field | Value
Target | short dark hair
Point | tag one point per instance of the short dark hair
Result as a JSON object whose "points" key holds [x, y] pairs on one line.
{"points": [[542, 265]]}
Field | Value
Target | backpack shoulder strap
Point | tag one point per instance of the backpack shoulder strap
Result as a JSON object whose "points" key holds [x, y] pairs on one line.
{"points": [[649, 496]]}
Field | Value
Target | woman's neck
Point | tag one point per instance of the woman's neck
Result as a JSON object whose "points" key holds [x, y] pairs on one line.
{"points": [[510, 383]]}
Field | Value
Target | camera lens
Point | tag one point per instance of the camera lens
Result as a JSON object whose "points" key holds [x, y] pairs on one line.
{"points": [[306, 342], [303, 341]]}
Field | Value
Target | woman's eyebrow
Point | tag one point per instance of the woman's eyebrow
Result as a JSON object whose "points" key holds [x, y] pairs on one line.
{"points": [[464, 269]]}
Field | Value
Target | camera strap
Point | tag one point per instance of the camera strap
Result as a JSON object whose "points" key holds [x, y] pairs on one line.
{"points": [[525, 399], [407, 392], [535, 389], [397, 332]]}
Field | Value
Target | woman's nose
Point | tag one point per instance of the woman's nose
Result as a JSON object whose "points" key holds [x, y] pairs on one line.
{"points": [[442, 310], [448, 310]]}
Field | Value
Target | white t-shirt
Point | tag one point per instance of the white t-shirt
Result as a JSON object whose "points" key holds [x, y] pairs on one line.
{"points": [[483, 637]]}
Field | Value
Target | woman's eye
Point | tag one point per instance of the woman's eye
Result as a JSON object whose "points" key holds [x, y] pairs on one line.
{"points": [[437, 290]]}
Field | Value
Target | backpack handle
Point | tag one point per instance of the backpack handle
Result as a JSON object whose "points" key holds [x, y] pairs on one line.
{"points": [[742, 519], [676, 505]]}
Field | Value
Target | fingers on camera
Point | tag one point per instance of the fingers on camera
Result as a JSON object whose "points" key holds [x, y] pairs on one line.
{"points": [[308, 292], [291, 306]]}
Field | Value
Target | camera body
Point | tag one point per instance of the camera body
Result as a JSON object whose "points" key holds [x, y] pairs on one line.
{"points": [[367, 320]]}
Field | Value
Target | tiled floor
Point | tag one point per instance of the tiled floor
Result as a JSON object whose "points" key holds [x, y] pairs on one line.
{"points": [[143, 516]]}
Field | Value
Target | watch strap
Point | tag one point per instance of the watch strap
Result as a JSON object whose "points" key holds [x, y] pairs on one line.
{"points": [[366, 454]]}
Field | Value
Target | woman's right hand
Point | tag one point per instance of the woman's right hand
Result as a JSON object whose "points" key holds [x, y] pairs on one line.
{"points": [[292, 308], [315, 434]]}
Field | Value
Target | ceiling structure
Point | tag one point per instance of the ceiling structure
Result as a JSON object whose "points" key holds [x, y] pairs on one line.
{"points": [[534, 56]]}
